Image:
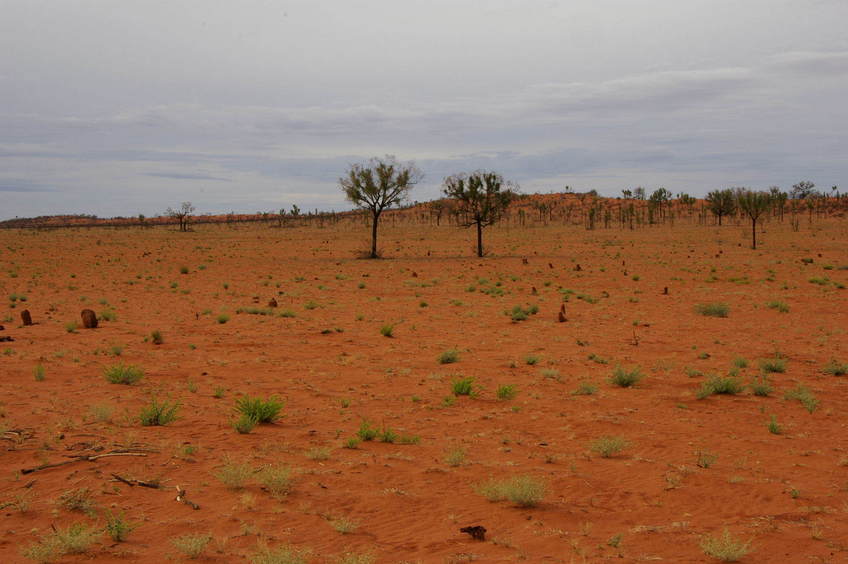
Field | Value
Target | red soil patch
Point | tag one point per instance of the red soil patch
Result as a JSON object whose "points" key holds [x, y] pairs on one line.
{"points": [[787, 493]]}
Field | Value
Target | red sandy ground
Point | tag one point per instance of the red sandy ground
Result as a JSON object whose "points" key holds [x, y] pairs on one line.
{"points": [[787, 493]]}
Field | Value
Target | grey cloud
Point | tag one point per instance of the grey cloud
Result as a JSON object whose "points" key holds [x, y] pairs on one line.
{"points": [[186, 176]]}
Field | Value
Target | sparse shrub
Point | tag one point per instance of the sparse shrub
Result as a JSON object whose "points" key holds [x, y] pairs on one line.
{"points": [[463, 386], [192, 546], [263, 411], [223, 318], [585, 389], [123, 374], [720, 385], [624, 379], [705, 459], [778, 306], [805, 396], [724, 547], [455, 457], [761, 387], [713, 310], [277, 480], [281, 555], [38, 373], [449, 356], [607, 447], [318, 453], [525, 491], [352, 443], [387, 331], [355, 558], [772, 365], [740, 362], [835, 368], [506, 392], [71, 327], [80, 499], [156, 337], [108, 315], [158, 413], [532, 359], [551, 374], [118, 527], [234, 475], [344, 525]]}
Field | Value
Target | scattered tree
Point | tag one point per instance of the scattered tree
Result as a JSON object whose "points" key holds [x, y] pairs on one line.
{"points": [[803, 189], [721, 203], [182, 214], [482, 198], [378, 185], [754, 205]]}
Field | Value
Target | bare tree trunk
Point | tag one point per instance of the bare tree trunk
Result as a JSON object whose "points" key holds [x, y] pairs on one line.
{"points": [[754, 234], [479, 239], [374, 220]]}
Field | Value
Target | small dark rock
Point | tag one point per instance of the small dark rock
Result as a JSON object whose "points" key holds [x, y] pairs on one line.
{"points": [[89, 319], [477, 532]]}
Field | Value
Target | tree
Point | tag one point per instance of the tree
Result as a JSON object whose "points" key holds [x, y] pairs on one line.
{"points": [[754, 204], [482, 197], [803, 189], [721, 203], [639, 193], [182, 214], [378, 185]]}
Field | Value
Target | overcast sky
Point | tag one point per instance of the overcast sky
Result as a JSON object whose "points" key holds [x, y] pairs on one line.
{"points": [[119, 108]]}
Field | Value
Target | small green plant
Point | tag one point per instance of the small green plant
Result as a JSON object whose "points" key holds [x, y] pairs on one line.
{"points": [[38, 373], [774, 427], [724, 547], [71, 327], [449, 356], [183, 270], [740, 363], [156, 337], [223, 318], [387, 331], [463, 386], [606, 447], [158, 413], [524, 491], [118, 527], [233, 474], [352, 443], [366, 432], [778, 306], [192, 546], [713, 310], [773, 365], [218, 393], [835, 368], [123, 374], [263, 411], [532, 359], [277, 480], [506, 392], [720, 385], [625, 379], [75, 539]]}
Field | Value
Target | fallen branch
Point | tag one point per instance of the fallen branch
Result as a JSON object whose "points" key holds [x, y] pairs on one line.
{"points": [[132, 482], [86, 458]]}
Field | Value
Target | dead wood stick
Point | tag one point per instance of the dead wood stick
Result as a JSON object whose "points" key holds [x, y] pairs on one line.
{"points": [[135, 482]]}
